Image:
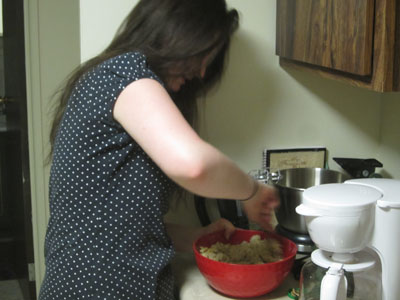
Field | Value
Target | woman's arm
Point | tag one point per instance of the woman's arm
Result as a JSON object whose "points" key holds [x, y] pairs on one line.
{"points": [[149, 115]]}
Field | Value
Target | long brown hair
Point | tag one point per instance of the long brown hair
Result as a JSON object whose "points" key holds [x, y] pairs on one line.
{"points": [[169, 33]]}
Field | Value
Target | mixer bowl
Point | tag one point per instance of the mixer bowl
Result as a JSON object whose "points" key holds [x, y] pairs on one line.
{"points": [[291, 186]]}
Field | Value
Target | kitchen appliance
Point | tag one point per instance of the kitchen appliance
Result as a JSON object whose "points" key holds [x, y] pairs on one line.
{"points": [[298, 169], [356, 226], [363, 283], [273, 160], [291, 185], [358, 167]]}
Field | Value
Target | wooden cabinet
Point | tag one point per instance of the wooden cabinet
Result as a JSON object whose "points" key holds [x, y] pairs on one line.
{"points": [[357, 41]]}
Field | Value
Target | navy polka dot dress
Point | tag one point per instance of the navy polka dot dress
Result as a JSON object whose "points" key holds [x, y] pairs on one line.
{"points": [[105, 238]]}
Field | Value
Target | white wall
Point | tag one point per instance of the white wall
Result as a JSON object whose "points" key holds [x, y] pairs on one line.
{"points": [[100, 20]]}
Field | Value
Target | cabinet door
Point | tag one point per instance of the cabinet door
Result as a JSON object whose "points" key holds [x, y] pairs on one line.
{"points": [[335, 34]]}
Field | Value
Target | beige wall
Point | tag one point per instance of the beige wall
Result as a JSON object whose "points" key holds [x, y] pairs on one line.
{"points": [[389, 152], [100, 20]]}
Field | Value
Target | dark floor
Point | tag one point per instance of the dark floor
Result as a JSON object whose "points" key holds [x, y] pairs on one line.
{"points": [[10, 290], [7, 271], [9, 286]]}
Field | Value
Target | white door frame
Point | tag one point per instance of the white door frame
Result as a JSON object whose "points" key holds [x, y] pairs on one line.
{"points": [[52, 42]]}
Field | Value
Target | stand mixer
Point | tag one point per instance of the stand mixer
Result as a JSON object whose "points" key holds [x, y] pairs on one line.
{"points": [[356, 226]]}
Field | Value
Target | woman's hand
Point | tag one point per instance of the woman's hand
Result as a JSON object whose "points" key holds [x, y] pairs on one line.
{"points": [[221, 224], [260, 207]]}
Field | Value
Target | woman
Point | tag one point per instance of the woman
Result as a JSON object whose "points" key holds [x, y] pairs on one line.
{"points": [[123, 140]]}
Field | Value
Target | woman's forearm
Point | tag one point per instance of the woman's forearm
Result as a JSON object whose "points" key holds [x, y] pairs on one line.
{"points": [[216, 176]]}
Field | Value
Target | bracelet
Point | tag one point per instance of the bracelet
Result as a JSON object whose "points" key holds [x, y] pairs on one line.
{"points": [[253, 192]]}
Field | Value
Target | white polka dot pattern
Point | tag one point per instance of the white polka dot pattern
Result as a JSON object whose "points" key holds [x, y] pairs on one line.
{"points": [[105, 237]]}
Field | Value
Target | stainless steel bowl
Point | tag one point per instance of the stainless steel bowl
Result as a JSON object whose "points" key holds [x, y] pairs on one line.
{"points": [[291, 186]]}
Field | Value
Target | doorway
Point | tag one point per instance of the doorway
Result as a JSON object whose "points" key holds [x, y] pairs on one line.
{"points": [[16, 241]]}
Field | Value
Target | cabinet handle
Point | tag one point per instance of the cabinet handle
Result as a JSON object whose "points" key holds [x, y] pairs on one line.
{"points": [[4, 100], [3, 103]]}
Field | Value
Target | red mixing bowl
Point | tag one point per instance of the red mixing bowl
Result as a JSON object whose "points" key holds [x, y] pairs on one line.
{"points": [[244, 281]]}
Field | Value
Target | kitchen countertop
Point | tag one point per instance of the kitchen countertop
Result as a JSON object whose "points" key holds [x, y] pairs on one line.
{"points": [[193, 285]]}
